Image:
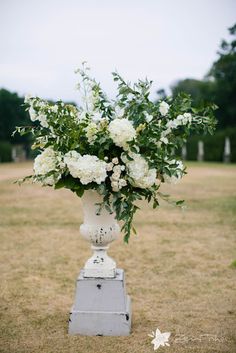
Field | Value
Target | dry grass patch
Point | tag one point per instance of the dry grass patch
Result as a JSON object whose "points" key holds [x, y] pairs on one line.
{"points": [[178, 268]]}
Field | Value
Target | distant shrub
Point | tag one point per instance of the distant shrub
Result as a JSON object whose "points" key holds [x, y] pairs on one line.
{"points": [[213, 145], [5, 151]]}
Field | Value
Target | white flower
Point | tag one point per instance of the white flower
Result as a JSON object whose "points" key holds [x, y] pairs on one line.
{"points": [[115, 176], [109, 166], [184, 119], [160, 339], [174, 179], [43, 120], [119, 112], [164, 140], [173, 124], [50, 180], [33, 114], [90, 99], [91, 132], [71, 156], [87, 168], [188, 117], [115, 185], [148, 117], [117, 182], [139, 171], [116, 172], [117, 169], [122, 182], [45, 162], [115, 160], [41, 104], [121, 131], [165, 132], [54, 109], [164, 108]]}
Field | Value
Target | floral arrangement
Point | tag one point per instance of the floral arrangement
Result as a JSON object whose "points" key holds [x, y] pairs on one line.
{"points": [[123, 148]]}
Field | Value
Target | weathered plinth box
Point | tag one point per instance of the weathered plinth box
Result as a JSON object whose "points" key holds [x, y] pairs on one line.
{"points": [[101, 308]]}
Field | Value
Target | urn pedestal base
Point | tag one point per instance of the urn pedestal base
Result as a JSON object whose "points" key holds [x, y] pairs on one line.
{"points": [[102, 307]]}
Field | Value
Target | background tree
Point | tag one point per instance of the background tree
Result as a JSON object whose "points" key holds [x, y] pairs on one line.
{"points": [[12, 114], [223, 72], [201, 91], [219, 86]]}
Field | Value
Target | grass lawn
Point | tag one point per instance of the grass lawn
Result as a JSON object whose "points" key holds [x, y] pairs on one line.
{"points": [[179, 268]]}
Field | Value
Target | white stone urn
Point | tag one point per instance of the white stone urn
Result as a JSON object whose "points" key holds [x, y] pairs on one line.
{"points": [[100, 230]]}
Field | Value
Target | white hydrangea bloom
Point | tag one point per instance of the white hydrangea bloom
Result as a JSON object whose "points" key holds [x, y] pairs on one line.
{"points": [[121, 131], [50, 180], [71, 156], [45, 162], [138, 170], [164, 108], [87, 168], [174, 179]]}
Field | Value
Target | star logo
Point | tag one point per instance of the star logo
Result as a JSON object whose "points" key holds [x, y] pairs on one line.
{"points": [[159, 339]]}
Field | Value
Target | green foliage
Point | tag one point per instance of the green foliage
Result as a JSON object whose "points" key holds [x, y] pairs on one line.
{"points": [[79, 144], [201, 91], [5, 151], [223, 71], [233, 264], [12, 114]]}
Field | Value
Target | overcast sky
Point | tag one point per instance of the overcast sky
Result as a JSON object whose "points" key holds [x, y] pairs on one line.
{"points": [[43, 41]]}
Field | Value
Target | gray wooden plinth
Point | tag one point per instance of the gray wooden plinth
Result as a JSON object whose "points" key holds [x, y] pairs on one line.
{"points": [[101, 307]]}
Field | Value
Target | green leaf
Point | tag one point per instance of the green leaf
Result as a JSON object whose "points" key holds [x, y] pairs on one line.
{"points": [[79, 192], [180, 202]]}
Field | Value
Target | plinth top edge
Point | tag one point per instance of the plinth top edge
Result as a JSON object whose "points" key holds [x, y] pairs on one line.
{"points": [[119, 276]]}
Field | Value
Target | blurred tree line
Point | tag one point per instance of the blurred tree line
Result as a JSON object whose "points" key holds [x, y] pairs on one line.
{"points": [[218, 86], [12, 114]]}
